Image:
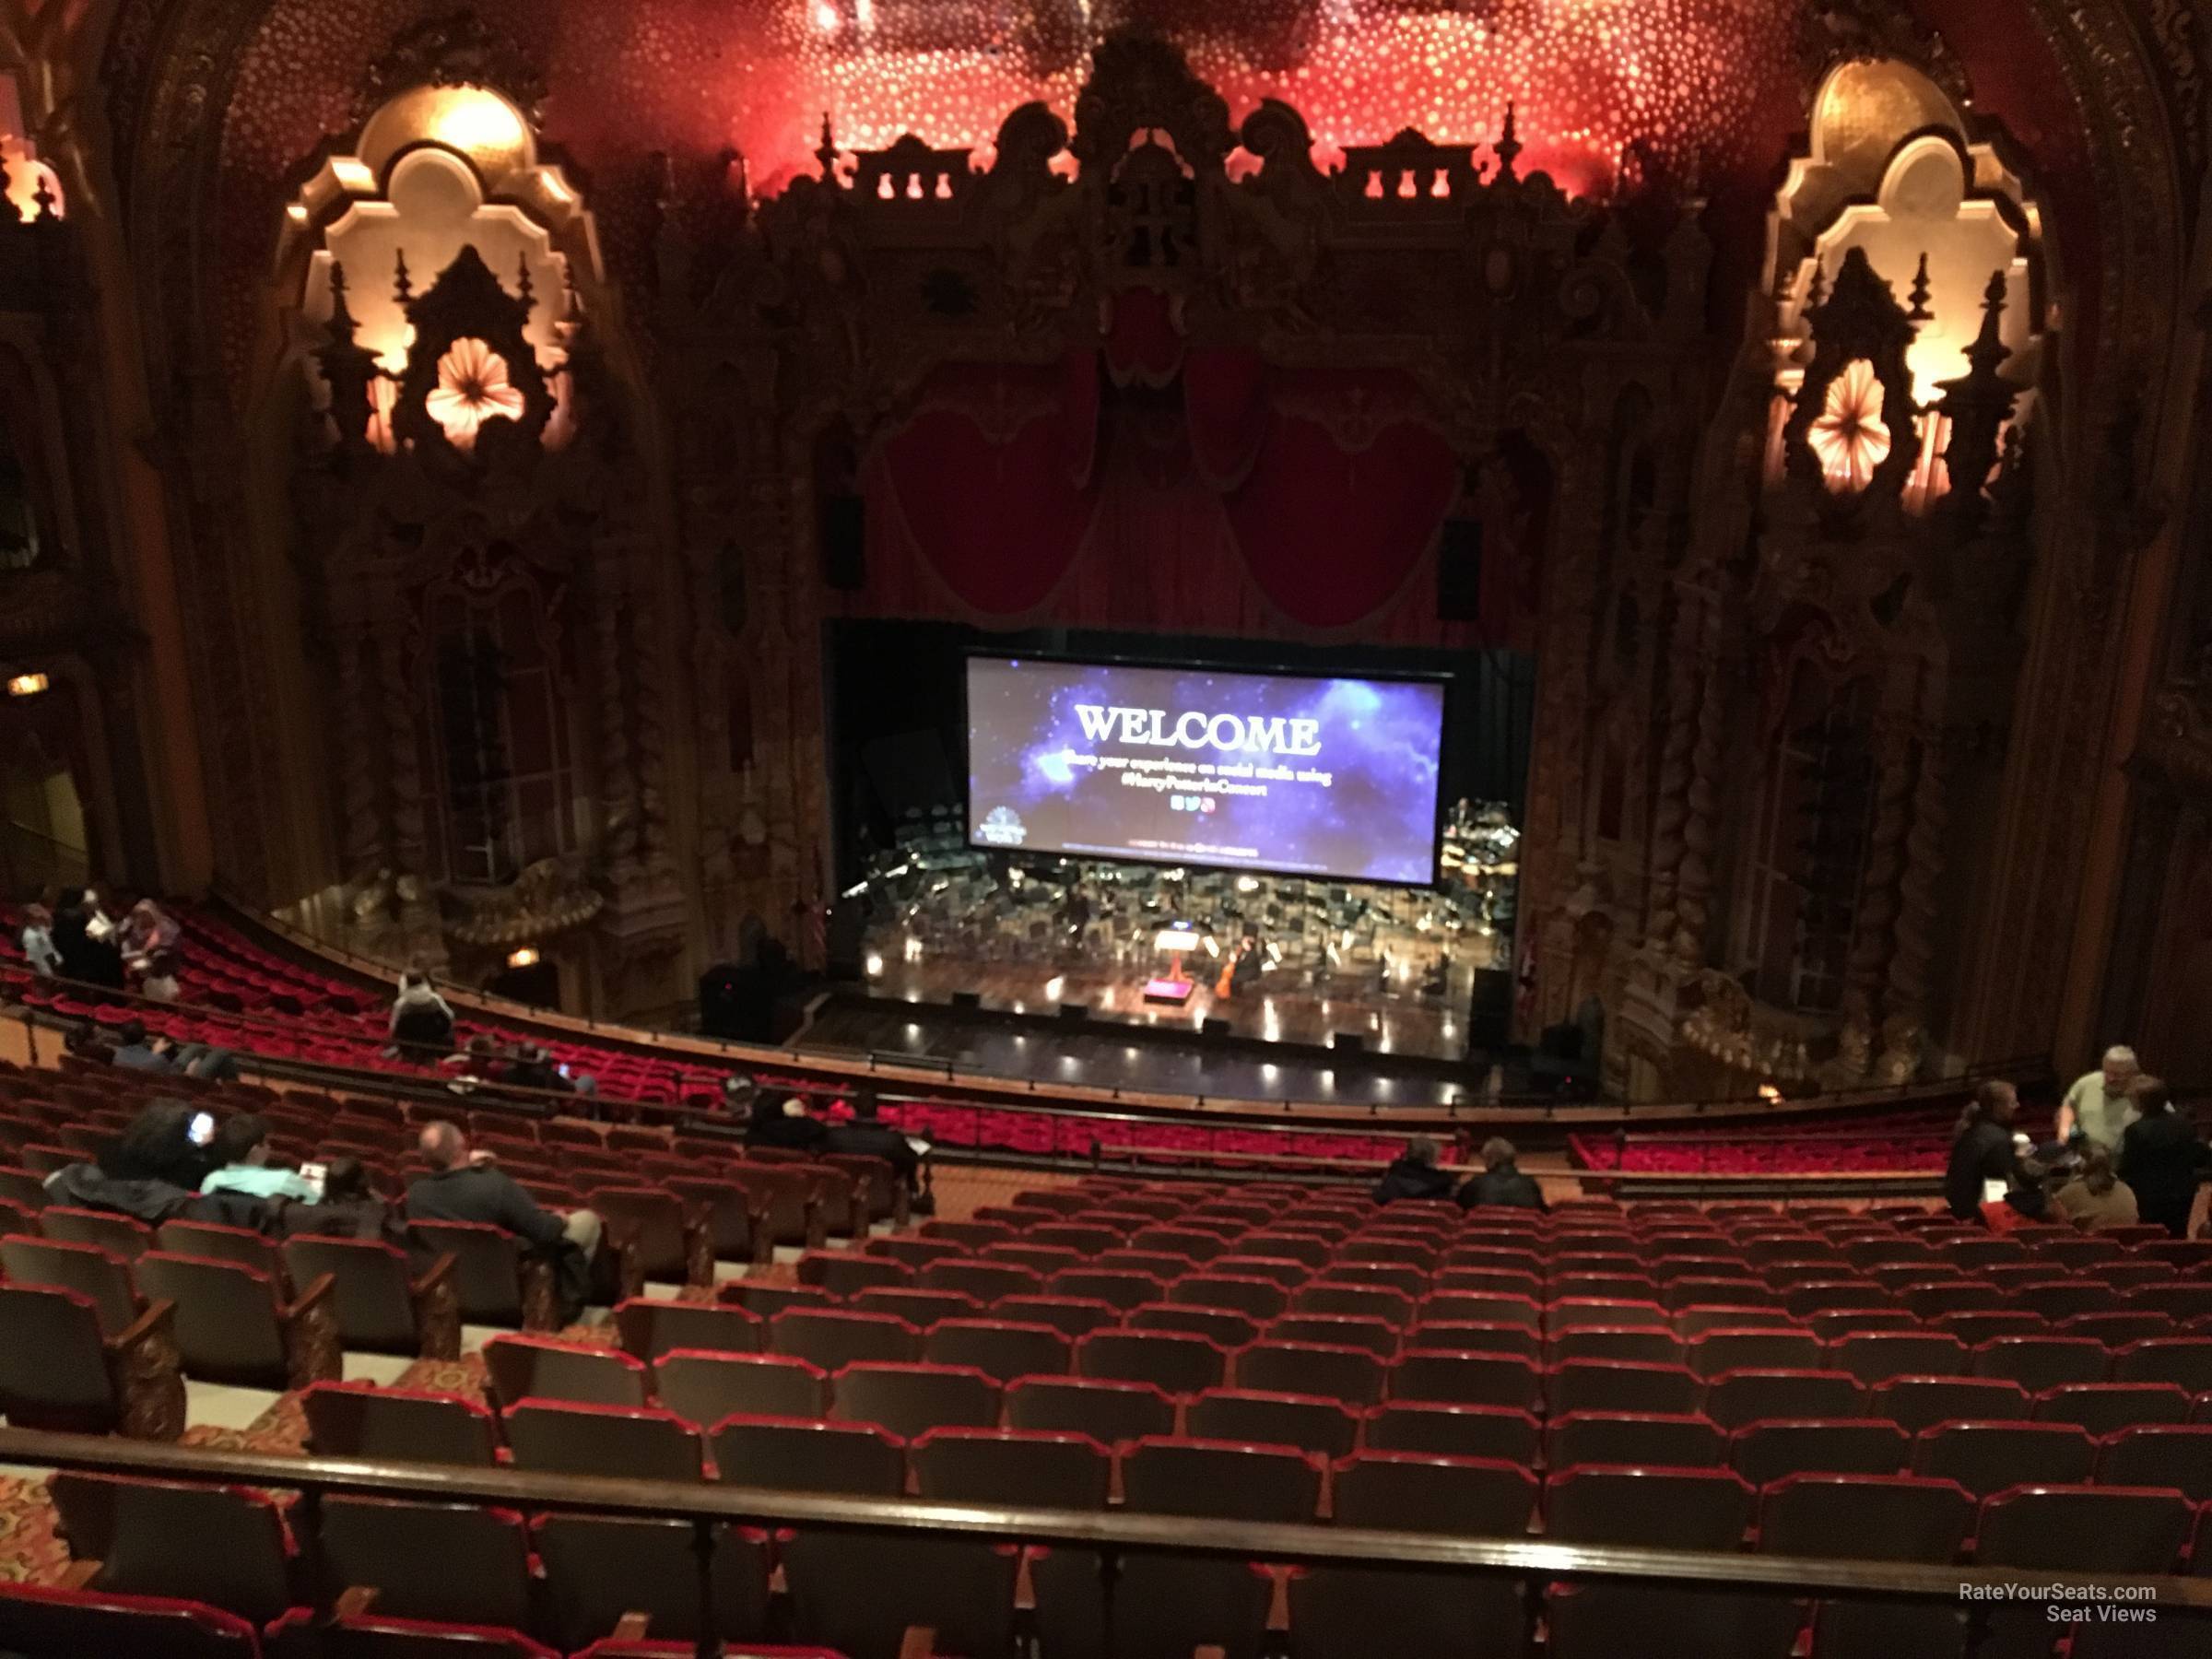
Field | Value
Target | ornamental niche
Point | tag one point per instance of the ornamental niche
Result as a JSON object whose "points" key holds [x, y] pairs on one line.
{"points": [[471, 538]]}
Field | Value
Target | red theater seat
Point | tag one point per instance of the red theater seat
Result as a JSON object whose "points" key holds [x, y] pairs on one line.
{"points": [[910, 1400], [854, 1460], [1872, 1517], [1613, 1385], [598, 1570], [1175, 1363], [704, 1387], [1634, 1436], [455, 1561], [2104, 1408], [1439, 1430], [360, 1420], [618, 1441], [1012, 1466], [223, 1546], [1108, 1411], [39, 1619], [1989, 1457], [650, 1327], [547, 1368], [1770, 1450]]}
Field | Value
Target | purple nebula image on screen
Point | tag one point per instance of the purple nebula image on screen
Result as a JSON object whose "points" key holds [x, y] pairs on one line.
{"points": [[1315, 776]]}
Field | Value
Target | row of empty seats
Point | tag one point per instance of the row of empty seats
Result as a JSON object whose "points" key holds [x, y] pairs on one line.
{"points": [[569, 1579], [556, 1414], [41, 1620]]}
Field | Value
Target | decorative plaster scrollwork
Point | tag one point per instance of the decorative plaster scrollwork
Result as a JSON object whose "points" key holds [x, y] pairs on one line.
{"points": [[455, 49]]}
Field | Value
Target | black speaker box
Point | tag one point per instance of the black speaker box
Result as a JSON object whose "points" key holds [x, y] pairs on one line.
{"points": [[1351, 1042], [1074, 1010], [842, 937], [1459, 570], [737, 1004], [1216, 1027], [968, 1001], [1491, 1010], [842, 523]]}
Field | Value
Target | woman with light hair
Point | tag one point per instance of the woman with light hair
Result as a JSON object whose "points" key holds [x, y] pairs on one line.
{"points": [[2098, 1107]]}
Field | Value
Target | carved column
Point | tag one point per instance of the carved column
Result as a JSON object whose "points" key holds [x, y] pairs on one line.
{"points": [[651, 760], [1693, 885], [362, 836], [1907, 996], [618, 786], [397, 701], [1670, 803], [1879, 894]]}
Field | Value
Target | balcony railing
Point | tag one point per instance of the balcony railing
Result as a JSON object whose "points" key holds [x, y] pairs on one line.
{"points": [[1112, 1533]]}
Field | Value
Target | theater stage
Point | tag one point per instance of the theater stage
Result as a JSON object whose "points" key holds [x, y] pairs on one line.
{"points": [[1278, 1046]]}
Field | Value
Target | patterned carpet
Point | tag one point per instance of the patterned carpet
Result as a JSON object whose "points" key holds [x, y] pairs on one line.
{"points": [[30, 1552]]}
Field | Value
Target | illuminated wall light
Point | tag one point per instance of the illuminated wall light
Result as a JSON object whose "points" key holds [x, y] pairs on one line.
{"points": [[27, 685], [475, 122], [524, 957]]}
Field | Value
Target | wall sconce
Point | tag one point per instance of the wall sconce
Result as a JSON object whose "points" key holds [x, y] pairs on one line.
{"points": [[27, 685], [524, 957]]}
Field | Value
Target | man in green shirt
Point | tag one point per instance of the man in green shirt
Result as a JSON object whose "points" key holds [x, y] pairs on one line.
{"points": [[2098, 1107], [242, 1148]]}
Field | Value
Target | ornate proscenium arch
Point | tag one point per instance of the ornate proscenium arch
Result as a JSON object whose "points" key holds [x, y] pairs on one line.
{"points": [[1186, 327]]}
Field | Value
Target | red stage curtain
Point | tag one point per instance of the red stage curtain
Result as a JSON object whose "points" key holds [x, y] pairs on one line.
{"points": [[992, 477], [1344, 495], [1313, 495]]}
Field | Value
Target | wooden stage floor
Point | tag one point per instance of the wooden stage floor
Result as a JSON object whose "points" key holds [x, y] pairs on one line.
{"points": [[1281, 1008], [1279, 1048]]}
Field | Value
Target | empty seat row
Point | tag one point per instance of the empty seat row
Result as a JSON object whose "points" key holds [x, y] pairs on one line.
{"points": [[453, 1563], [1787, 1422]]}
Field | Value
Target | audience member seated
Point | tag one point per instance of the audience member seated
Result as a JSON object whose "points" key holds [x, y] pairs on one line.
{"points": [[465, 1186], [791, 1127], [241, 1152], [531, 1067], [2162, 1158], [151, 1172], [134, 1050], [160, 981], [2096, 1198], [867, 1135], [2099, 1106], [148, 931], [38, 941], [348, 1208], [1413, 1174], [477, 1066], [161, 1145], [1981, 1150], [1501, 1184], [740, 1096], [422, 1021]]}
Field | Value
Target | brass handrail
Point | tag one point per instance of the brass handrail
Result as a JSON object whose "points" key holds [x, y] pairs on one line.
{"points": [[713, 1501]]}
